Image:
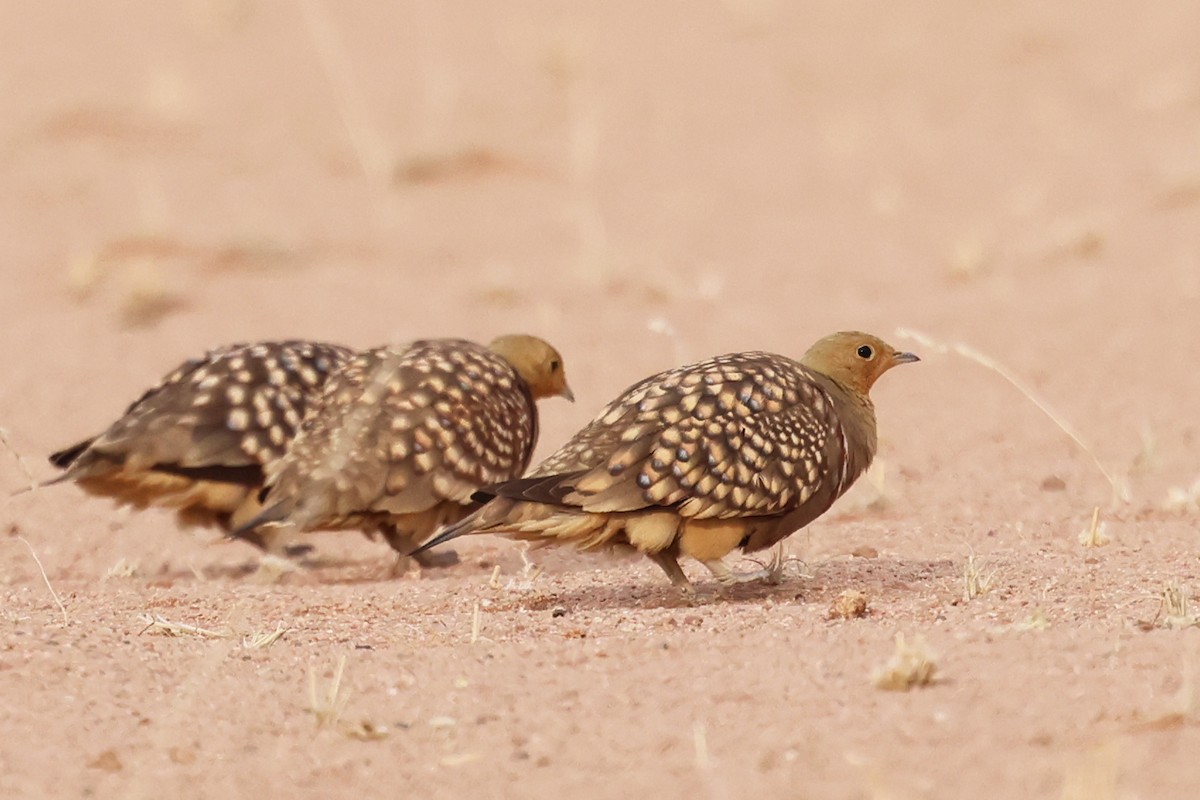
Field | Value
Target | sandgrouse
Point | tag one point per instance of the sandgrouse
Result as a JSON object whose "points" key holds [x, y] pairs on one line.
{"points": [[738, 451], [199, 440], [402, 437]]}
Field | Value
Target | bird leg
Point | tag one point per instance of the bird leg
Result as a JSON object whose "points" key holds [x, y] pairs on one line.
{"points": [[670, 565], [771, 574], [274, 541], [399, 566]]}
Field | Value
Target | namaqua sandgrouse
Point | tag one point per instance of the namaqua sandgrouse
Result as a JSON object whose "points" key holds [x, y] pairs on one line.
{"points": [[402, 437], [199, 440], [735, 452]]}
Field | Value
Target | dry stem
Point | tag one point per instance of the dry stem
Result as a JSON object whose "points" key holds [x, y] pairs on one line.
{"points": [[328, 709], [46, 578], [1120, 487], [911, 665]]}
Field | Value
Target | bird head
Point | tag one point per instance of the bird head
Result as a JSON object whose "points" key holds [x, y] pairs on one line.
{"points": [[854, 359], [537, 362]]}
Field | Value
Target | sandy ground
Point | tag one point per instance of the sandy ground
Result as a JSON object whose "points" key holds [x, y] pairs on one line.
{"points": [[643, 184]]}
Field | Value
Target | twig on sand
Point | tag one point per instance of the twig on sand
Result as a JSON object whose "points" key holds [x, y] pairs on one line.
{"points": [[327, 709], [46, 578], [1120, 487], [169, 628], [4, 440]]}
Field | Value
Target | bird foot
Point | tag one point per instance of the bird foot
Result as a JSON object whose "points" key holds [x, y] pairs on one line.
{"points": [[276, 542], [770, 574]]}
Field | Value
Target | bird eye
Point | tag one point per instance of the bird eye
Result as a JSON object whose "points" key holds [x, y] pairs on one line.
{"points": [[866, 352], [554, 365]]}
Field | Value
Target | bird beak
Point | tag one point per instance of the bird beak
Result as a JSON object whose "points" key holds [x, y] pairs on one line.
{"points": [[905, 358], [567, 393]]}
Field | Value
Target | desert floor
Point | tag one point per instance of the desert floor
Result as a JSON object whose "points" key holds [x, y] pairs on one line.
{"points": [[643, 184]]}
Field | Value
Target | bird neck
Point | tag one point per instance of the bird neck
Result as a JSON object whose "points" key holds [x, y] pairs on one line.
{"points": [[856, 413], [535, 426]]}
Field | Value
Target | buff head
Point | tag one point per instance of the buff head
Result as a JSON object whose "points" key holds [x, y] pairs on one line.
{"points": [[854, 360], [537, 362]]}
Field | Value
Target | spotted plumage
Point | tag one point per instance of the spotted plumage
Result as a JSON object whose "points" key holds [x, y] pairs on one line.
{"points": [[738, 451], [401, 437], [200, 439]]}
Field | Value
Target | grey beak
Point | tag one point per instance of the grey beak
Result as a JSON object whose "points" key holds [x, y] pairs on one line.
{"points": [[905, 358], [567, 393]]}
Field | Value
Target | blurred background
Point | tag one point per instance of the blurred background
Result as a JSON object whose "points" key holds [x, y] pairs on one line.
{"points": [[643, 184]]}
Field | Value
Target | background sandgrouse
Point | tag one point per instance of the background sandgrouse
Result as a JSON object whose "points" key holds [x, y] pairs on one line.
{"points": [[735, 452], [402, 437], [199, 440]]}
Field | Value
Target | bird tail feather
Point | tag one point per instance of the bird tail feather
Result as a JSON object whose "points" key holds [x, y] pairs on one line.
{"points": [[461, 528], [271, 514]]}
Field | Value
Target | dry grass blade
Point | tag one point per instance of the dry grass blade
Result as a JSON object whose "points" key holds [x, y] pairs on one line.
{"points": [[911, 665], [121, 569], [976, 583], [256, 641], [476, 623], [1175, 608], [335, 60], [1094, 535], [1120, 487], [523, 582], [327, 707], [4, 440], [166, 627], [530, 571], [46, 578], [700, 745]]}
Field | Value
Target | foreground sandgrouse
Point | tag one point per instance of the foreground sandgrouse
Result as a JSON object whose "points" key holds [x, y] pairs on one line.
{"points": [[402, 437], [735, 452], [199, 440]]}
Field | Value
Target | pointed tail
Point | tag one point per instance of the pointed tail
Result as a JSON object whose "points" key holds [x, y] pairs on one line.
{"points": [[460, 528], [273, 513]]}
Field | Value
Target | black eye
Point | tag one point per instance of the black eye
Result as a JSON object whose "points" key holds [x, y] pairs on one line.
{"points": [[866, 352], [554, 365]]}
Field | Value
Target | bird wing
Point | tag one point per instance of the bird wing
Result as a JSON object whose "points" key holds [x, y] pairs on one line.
{"points": [[749, 434], [236, 406], [402, 429]]}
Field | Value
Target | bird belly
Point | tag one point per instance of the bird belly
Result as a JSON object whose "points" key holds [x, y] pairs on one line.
{"points": [[710, 539], [653, 532], [198, 502]]}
